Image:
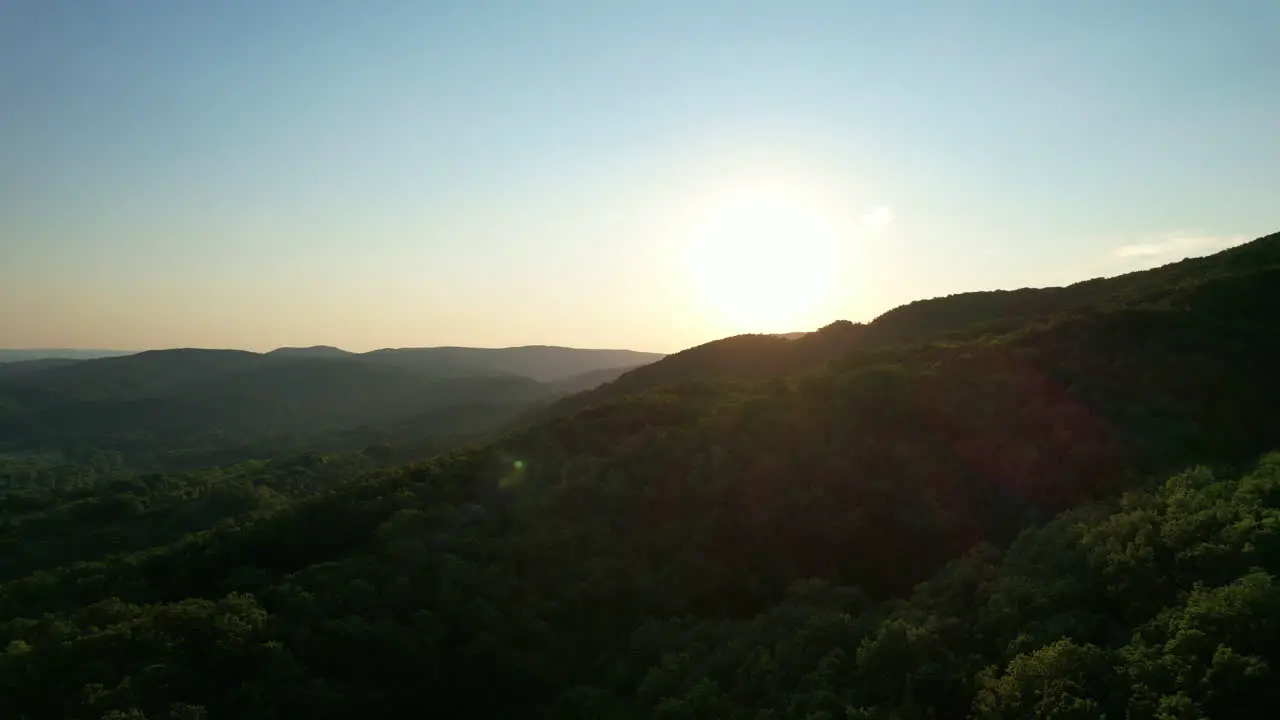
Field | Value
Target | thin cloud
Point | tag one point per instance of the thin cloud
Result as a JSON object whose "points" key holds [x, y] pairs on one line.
{"points": [[1175, 246], [879, 218], [1148, 250]]}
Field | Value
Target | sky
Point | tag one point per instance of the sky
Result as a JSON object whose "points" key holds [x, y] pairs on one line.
{"points": [[646, 174]]}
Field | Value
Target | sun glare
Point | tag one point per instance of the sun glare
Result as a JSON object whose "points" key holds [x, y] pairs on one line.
{"points": [[763, 261]]}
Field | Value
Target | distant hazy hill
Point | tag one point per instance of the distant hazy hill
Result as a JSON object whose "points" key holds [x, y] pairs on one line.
{"points": [[197, 398], [540, 362], [589, 380], [315, 351], [18, 355], [23, 367]]}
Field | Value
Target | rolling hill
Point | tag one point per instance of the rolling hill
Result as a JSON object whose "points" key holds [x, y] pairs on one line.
{"points": [[23, 367], [166, 400], [315, 351], [542, 363], [8, 355]]}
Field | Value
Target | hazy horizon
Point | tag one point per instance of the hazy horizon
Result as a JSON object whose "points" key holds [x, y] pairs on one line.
{"points": [[131, 351], [1165, 256], [642, 175]]}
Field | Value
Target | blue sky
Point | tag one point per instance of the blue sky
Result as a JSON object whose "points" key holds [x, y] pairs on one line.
{"points": [[482, 172]]}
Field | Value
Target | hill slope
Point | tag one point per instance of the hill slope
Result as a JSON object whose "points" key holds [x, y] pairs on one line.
{"points": [[22, 354], [739, 358], [950, 318], [542, 363], [24, 367]]}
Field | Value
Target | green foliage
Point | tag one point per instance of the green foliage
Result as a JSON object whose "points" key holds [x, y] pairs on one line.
{"points": [[113, 510], [1202, 648]]}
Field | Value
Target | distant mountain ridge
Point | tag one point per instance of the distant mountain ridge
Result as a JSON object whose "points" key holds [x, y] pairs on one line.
{"points": [[315, 351], [545, 363], [8, 355], [14, 368], [189, 398]]}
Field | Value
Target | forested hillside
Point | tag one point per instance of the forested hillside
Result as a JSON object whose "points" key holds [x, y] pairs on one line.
{"points": [[170, 409], [1029, 505], [738, 358], [953, 318]]}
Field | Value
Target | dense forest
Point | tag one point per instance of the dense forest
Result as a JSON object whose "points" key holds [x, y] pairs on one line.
{"points": [[1053, 503]]}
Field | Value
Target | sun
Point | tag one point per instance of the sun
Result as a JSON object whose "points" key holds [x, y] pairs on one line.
{"points": [[762, 261]]}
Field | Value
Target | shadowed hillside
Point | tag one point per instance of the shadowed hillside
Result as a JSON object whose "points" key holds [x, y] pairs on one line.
{"points": [[1000, 310], [24, 367], [743, 357], [542, 363], [950, 318]]}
